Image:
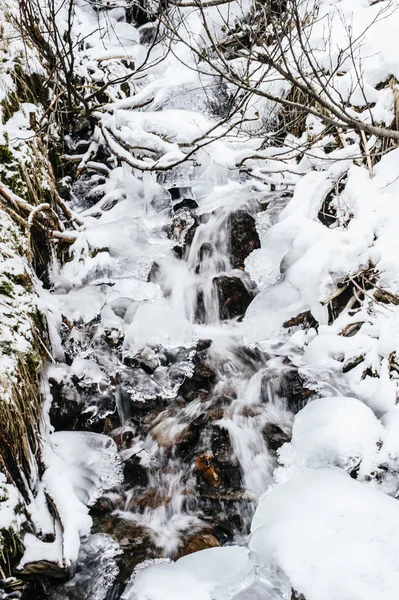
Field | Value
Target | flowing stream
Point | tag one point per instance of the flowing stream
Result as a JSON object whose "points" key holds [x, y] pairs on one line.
{"points": [[197, 423]]}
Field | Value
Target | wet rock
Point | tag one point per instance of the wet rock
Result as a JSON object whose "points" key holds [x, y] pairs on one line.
{"points": [[216, 413], [217, 407], [102, 509], [123, 437], [223, 531], [129, 534], [179, 193], [136, 542], [175, 355], [251, 410], [274, 436], [134, 474], [102, 506], [287, 384], [77, 406], [152, 498], [203, 345], [218, 505], [175, 192], [297, 596], [138, 394], [200, 312], [165, 432], [111, 422], [305, 319], [138, 13], [352, 363], [44, 568], [292, 387], [188, 203], [203, 377], [206, 468], [198, 541], [154, 273], [98, 408], [222, 449], [66, 407], [206, 251], [189, 438], [251, 358], [234, 298], [228, 467], [243, 237], [11, 587]]}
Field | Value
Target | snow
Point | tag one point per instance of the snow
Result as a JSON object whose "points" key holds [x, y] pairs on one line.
{"points": [[332, 431], [81, 305], [91, 371], [80, 466], [270, 309], [10, 499], [155, 324], [209, 574], [332, 536]]}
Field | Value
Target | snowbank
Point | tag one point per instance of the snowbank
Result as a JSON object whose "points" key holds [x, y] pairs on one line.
{"points": [[332, 431], [213, 574], [333, 537], [80, 466]]}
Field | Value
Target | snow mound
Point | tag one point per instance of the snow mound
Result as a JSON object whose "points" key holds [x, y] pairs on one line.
{"points": [[213, 574], [263, 270], [332, 431], [82, 304], [334, 537], [160, 325], [270, 309], [80, 466]]}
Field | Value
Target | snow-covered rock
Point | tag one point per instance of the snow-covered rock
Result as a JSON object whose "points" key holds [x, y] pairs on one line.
{"points": [[332, 536], [332, 431]]}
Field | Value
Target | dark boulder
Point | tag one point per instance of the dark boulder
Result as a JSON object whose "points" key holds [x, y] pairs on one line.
{"points": [[274, 436], [75, 408], [188, 203], [243, 237], [186, 444], [135, 540], [288, 385], [129, 534], [227, 463], [103, 506], [203, 377], [153, 498], [66, 406], [134, 474], [234, 298]]}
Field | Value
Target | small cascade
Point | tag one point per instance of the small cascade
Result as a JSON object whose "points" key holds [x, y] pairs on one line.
{"points": [[199, 279], [197, 415]]}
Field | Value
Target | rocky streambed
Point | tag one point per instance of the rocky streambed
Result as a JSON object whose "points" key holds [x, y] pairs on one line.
{"points": [[163, 369]]}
